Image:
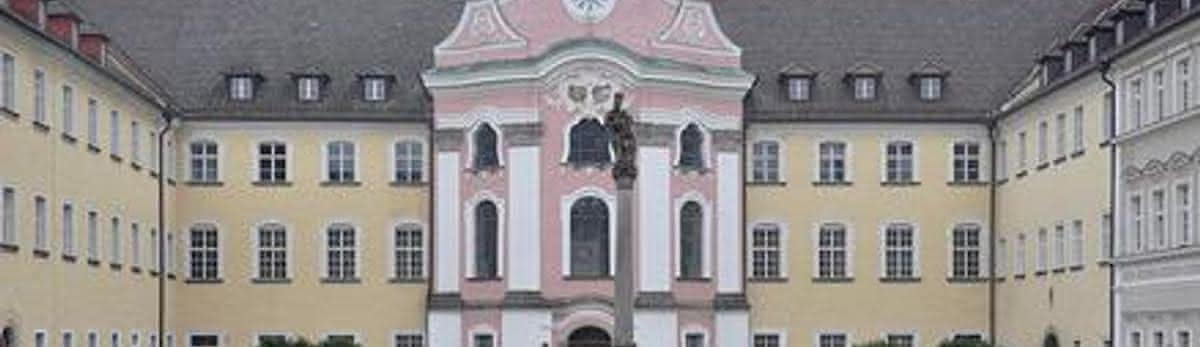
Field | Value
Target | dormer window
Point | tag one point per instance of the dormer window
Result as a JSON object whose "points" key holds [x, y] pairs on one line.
{"points": [[864, 88], [241, 88], [929, 79], [309, 88], [374, 89], [864, 79], [931, 88], [799, 88]]}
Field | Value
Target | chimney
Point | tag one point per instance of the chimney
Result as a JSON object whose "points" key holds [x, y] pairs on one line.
{"points": [[64, 26], [32, 10], [94, 45]]}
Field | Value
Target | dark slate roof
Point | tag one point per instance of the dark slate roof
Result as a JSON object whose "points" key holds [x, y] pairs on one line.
{"points": [[985, 46], [189, 46]]}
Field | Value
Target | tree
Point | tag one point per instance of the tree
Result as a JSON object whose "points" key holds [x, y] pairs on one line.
{"points": [[302, 342], [875, 343]]}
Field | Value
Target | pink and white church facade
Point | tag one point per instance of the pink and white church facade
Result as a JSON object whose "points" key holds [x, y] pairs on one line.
{"points": [[524, 242]]}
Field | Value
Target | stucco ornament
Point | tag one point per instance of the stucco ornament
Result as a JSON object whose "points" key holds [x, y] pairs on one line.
{"points": [[589, 11], [481, 26], [586, 92]]}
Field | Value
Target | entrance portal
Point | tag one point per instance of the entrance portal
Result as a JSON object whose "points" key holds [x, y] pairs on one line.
{"points": [[589, 337]]}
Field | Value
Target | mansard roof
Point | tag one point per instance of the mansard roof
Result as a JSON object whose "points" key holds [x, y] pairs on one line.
{"points": [[188, 45]]}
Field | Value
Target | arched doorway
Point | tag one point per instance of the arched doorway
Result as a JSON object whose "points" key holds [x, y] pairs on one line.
{"points": [[589, 337]]}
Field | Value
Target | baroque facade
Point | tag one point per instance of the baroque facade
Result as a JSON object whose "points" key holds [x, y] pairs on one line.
{"points": [[436, 173]]}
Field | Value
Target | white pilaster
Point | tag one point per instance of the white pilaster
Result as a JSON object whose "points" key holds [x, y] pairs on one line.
{"points": [[524, 211], [446, 236], [654, 221], [729, 220], [733, 328], [445, 329], [656, 328], [525, 327]]}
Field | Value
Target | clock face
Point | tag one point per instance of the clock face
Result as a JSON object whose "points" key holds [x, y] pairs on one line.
{"points": [[589, 11]]}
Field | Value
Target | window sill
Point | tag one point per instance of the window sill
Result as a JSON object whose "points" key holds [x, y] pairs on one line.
{"points": [[1022, 174], [93, 148], [693, 279], [900, 183], [204, 183], [408, 183], [135, 269], [967, 183], [966, 279], [9, 247], [271, 281], [1000, 279], [406, 280], [153, 273], [116, 158], [1039, 273], [271, 183], [9, 112], [70, 258], [41, 253], [768, 280], [833, 279], [1104, 262], [153, 174], [766, 183], [1019, 277], [341, 184], [1059, 270], [1002, 181], [135, 165], [1075, 268], [484, 279], [171, 276], [900, 279], [171, 181], [69, 139], [41, 127], [1060, 160], [587, 278], [93, 262], [354, 280], [1042, 166], [115, 266], [1077, 154], [685, 170], [204, 281], [832, 183]]}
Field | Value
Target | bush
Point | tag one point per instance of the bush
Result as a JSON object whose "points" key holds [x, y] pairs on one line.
{"points": [[964, 343], [302, 342], [876, 343]]}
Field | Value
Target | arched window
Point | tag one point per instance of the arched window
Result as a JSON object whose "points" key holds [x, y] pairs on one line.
{"points": [[589, 237], [589, 143], [485, 147], [486, 240], [691, 148], [691, 241]]}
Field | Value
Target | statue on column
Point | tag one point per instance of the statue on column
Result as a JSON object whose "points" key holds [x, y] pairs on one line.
{"points": [[620, 127]]}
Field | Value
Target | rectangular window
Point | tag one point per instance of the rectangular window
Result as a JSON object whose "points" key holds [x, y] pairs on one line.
{"points": [[1043, 145], [68, 339], [1184, 339], [1061, 123], [68, 110], [1043, 238], [310, 88], [93, 134], [1023, 153], [1079, 139], [1019, 255], [8, 216], [170, 261], [409, 161], [1077, 243], [272, 252], [831, 251], [1160, 339], [68, 230], [899, 162], [1060, 246], [115, 238], [153, 246], [1183, 81], [410, 340], [340, 161], [931, 88], [1001, 256], [833, 162], [1160, 95], [800, 88], [374, 89], [8, 81], [767, 340], [901, 340], [115, 341], [1159, 223], [135, 143], [272, 162], [693, 340], [483, 340], [766, 161], [832, 340], [114, 133], [93, 235], [203, 161], [39, 96], [409, 252], [899, 251], [1135, 339], [241, 88], [1109, 116], [1183, 214], [765, 252], [93, 340], [1002, 161], [1135, 104], [204, 341], [39, 339], [203, 253], [1138, 224], [41, 224], [135, 246], [1106, 234], [967, 251], [966, 162], [152, 139], [271, 339], [341, 253], [864, 88]]}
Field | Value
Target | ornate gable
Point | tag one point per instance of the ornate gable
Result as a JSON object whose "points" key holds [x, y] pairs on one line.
{"points": [[695, 28], [481, 27]]}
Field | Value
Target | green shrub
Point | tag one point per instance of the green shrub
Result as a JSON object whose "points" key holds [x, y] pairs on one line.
{"points": [[302, 342], [876, 343]]}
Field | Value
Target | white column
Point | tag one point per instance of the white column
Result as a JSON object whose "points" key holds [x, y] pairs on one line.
{"points": [[654, 221], [733, 328], [445, 329], [446, 235], [729, 220], [656, 328], [524, 327], [524, 220]]}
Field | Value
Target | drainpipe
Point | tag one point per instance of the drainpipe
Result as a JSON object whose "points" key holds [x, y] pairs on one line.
{"points": [[991, 127], [1105, 66], [162, 231]]}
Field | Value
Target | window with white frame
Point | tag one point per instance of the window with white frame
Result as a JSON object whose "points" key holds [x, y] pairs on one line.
{"points": [[899, 161], [485, 149], [272, 252], [766, 250], [93, 235], [41, 224], [241, 88], [1043, 238], [694, 340], [1160, 339], [767, 340], [967, 252], [1135, 339], [1159, 221], [590, 237], [691, 147], [1137, 224], [170, 340], [409, 161], [1077, 243], [1106, 234], [409, 252], [899, 251], [832, 251], [483, 340], [68, 339], [1019, 255], [800, 88], [1183, 214], [691, 240], [68, 110], [114, 238], [931, 88], [487, 240], [93, 121], [203, 252], [374, 89], [1183, 84], [340, 161], [93, 340], [8, 216], [203, 161], [170, 254], [135, 142], [1135, 104], [1183, 339], [1160, 94], [832, 340], [152, 141], [204, 340], [409, 340], [865, 88], [1060, 246], [8, 81], [590, 143], [1002, 161], [765, 161], [39, 339], [901, 340], [832, 166], [1023, 152], [1043, 145], [68, 229], [1060, 123], [341, 252], [272, 161], [1001, 256], [135, 246], [966, 162], [153, 246], [1078, 135], [1108, 117], [309, 88], [39, 96], [114, 132]]}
